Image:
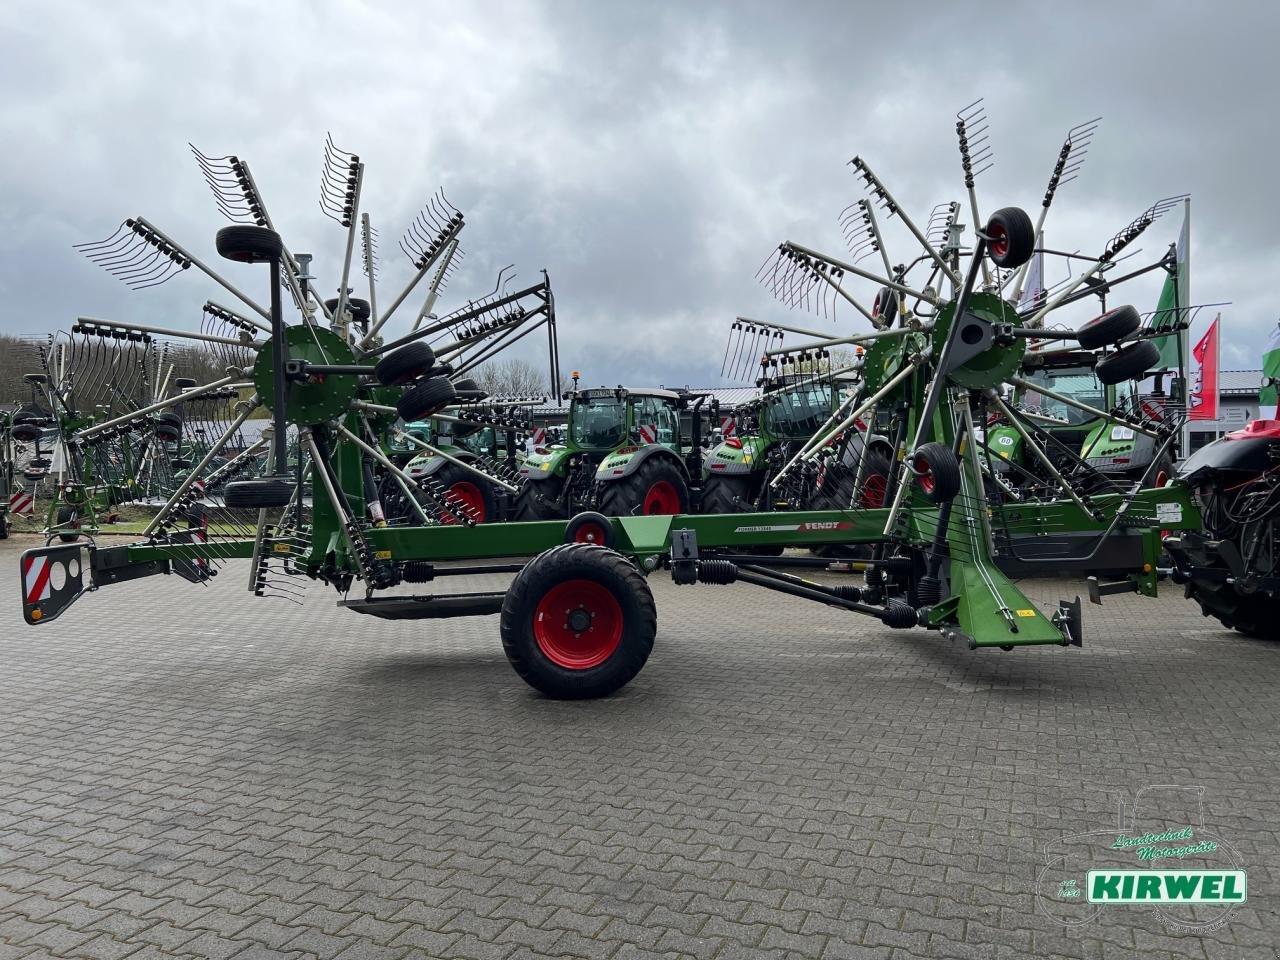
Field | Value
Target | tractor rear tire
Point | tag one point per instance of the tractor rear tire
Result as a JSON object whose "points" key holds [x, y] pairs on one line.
{"points": [[578, 622], [726, 495], [425, 398], [538, 500], [25, 429], [937, 472], [837, 491], [1011, 237], [476, 494], [245, 243], [1127, 363], [404, 364], [168, 427], [1108, 328], [264, 493], [656, 488], [1253, 614]]}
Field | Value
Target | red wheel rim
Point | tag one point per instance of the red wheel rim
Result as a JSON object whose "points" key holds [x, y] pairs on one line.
{"points": [[589, 533], [924, 475], [578, 624], [662, 498], [998, 239], [468, 495], [873, 490], [1162, 478]]}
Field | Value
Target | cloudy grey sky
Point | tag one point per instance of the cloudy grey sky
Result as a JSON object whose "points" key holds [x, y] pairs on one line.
{"points": [[648, 155]]}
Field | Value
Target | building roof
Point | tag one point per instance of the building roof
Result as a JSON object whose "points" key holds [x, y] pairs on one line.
{"points": [[1240, 382]]}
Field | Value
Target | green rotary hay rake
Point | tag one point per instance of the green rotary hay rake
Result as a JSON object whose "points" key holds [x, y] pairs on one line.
{"points": [[578, 620]]}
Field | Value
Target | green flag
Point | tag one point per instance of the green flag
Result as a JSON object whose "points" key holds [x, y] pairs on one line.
{"points": [[1175, 298], [1271, 374]]}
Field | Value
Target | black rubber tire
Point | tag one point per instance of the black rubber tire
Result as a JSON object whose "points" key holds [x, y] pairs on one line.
{"points": [[404, 364], [245, 243], [69, 516], [467, 386], [598, 529], [886, 305], [263, 493], [1011, 237], [538, 500], [395, 505], [168, 427], [837, 490], [1253, 614], [938, 472], [360, 309], [424, 398], [578, 561], [722, 494], [1108, 328], [4, 526], [183, 383], [1127, 363], [451, 474], [625, 496], [24, 432]]}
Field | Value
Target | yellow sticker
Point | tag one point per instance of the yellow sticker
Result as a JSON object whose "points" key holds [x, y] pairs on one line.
{"points": [[382, 554], [282, 548], [1026, 613]]}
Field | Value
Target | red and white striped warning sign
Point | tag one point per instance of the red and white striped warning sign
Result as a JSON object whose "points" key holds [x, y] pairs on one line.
{"points": [[538, 437], [22, 502], [729, 426], [35, 579], [648, 433]]}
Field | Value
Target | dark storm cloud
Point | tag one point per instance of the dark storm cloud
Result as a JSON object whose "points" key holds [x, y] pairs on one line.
{"points": [[649, 156]]}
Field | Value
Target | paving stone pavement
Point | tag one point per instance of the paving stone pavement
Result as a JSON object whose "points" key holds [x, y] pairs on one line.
{"points": [[190, 772]]}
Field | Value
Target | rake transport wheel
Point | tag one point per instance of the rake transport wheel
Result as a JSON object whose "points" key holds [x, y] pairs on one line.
{"points": [[404, 364], [1127, 363], [69, 518], [1253, 614], [657, 487], [473, 495], [265, 493], [1011, 237], [360, 311], [425, 398], [578, 622], [248, 244], [1108, 328], [937, 472]]}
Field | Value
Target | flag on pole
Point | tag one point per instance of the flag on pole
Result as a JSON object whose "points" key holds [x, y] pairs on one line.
{"points": [[1033, 293], [1271, 372], [1175, 297], [1204, 383]]}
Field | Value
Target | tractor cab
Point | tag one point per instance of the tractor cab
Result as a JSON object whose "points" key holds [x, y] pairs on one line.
{"points": [[795, 412], [1111, 449]]}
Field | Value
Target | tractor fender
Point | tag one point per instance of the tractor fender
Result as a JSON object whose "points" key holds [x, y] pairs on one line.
{"points": [[1246, 451], [1137, 449], [544, 466], [739, 459], [429, 464], [627, 460]]}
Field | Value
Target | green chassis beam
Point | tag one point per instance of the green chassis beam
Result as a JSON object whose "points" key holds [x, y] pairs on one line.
{"points": [[981, 602]]}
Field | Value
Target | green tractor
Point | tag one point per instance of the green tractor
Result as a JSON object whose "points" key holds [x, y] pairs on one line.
{"points": [[626, 453], [458, 444], [737, 472], [1058, 387]]}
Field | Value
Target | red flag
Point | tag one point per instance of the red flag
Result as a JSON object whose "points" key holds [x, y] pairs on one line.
{"points": [[1204, 386]]}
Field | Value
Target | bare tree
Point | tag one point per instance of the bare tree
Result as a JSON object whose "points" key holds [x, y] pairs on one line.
{"points": [[513, 376]]}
